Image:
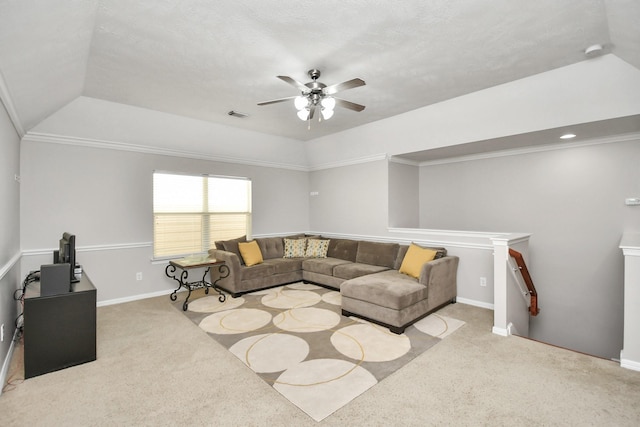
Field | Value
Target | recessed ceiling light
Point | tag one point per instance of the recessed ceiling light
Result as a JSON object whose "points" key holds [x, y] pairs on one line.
{"points": [[568, 136]]}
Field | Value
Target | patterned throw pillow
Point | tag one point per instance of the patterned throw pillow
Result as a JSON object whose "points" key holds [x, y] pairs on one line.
{"points": [[294, 248], [317, 248]]}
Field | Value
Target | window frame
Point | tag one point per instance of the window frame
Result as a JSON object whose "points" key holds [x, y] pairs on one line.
{"points": [[205, 214]]}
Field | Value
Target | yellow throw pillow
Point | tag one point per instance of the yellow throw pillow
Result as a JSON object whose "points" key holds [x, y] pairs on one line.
{"points": [[250, 252], [415, 258]]}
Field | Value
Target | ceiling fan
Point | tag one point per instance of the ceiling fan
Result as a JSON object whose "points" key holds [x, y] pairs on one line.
{"points": [[318, 96]]}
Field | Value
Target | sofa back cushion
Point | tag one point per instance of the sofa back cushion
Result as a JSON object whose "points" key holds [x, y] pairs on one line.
{"points": [[376, 253], [271, 247], [231, 246], [343, 249]]}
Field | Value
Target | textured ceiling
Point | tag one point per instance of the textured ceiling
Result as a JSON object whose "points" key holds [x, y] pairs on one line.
{"points": [[201, 59]]}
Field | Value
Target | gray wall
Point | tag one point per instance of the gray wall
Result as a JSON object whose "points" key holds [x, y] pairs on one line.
{"points": [[9, 229], [404, 195], [572, 200], [352, 199], [104, 196]]}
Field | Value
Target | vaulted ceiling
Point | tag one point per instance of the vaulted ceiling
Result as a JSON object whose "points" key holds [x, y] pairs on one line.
{"points": [[201, 59]]}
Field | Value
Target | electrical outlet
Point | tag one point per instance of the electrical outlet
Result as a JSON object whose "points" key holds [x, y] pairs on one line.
{"points": [[139, 275], [483, 281]]}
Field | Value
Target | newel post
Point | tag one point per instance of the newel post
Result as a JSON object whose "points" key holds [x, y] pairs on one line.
{"points": [[630, 354], [505, 315]]}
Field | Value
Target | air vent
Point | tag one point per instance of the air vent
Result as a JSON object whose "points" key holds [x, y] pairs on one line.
{"points": [[237, 114]]}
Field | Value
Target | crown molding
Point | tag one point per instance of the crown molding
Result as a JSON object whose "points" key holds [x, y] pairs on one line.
{"points": [[349, 162], [124, 146], [7, 101], [534, 149], [402, 161]]}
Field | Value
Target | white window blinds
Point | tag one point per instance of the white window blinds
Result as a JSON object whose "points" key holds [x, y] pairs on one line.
{"points": [[191, 212]]}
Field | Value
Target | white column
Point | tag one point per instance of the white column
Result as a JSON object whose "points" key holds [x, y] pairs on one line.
{"points": [[505, 296], [630, 354]]}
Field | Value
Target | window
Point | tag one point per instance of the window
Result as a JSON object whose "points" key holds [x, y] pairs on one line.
{"points": [[191, 212]]}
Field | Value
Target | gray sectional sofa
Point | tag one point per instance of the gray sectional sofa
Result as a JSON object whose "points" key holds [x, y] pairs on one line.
{"points": [[366, 274]]}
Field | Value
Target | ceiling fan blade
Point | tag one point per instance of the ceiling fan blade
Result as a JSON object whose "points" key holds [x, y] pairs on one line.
{"points": [[349, 84], [294, 83], [275, 101], [350, 105]]}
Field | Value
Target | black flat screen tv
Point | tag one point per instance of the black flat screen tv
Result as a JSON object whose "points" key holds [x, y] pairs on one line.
{"points": [[67, 254]]}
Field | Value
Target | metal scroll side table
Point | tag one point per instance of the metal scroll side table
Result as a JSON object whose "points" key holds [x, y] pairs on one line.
{"points": [[192, 262]]}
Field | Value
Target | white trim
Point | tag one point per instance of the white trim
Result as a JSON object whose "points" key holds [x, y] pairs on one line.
{"points": [[457, 237], [630, 251], [630, 244], [421, 241], [136, 297], [124, 146], [8, 266], [7, 101], [629, 364], [532, 149], [510, 239], [500, 331], [395, 159], [119, 246], [7, 361], [349, 162], [95, 248], [474, 303]]}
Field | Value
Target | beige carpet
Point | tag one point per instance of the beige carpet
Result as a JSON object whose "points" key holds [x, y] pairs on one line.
{"points": [[155, 369], [295, 338]]}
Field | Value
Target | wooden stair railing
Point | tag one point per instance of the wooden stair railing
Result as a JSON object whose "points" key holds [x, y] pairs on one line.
{"points": [[533, 308]]}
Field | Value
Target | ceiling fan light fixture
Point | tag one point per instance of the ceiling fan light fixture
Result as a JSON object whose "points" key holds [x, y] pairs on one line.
{"points": [[301, 102], [316, 96], [303, 114], [328, 103], [326, 114]]}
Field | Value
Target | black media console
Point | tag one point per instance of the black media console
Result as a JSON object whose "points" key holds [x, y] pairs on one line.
{"points": [[59, 330]]}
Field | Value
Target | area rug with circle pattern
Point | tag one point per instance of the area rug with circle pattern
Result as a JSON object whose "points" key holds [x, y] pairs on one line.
{"points": [[295, 338]]}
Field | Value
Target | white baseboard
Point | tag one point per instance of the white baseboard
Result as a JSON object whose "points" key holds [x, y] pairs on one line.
{"points": [[475, 303], [7, 362], [136, 297], [628, 363], [503, 332]]}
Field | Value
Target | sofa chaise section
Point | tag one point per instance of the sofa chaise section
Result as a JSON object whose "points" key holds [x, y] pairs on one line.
{"points": [[396, 300]]}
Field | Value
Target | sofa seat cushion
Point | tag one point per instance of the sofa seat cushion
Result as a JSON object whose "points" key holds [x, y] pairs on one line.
{"points": [[257, 271], [322, 265], [285, 265], [355, 269], [389, 289]]}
